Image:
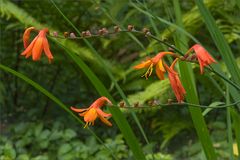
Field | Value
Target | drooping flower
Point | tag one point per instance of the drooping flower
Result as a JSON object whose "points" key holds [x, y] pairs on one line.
{"points": [[93, 112], [149, 63], [39, 44], [204, 58], [175, 82]]}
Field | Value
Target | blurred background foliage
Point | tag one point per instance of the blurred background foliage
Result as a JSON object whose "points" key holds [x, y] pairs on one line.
{"points": [[32, 126]]}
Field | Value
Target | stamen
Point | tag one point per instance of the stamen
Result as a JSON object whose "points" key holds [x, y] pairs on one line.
{"points": [[148, 72], [86, 125]]}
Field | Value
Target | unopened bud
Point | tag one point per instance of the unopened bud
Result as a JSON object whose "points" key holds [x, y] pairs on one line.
{"points": [[117, 29], [151, 103], [130, 27], [121, 104], [100, 32], [72, 35], [55, 34], [136, 104], [66, 34], [105, 31], [145, 30], [84, 34], [88, 33], [171, 48]]}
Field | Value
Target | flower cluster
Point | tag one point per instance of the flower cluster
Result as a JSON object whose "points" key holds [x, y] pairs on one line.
{"points": [[203, 57], [90, 114]]}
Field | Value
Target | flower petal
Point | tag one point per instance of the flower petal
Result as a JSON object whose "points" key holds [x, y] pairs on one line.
{"points": [[26, 36], [160, 70], [37, 49], [104, 120], [100, 102], [28, 50], [90, 115], [78, 109], [103, 114], [144, 64], [47, 50]]}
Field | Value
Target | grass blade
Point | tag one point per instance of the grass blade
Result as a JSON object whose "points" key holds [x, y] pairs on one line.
{"points": [[188, 81], [229, 125]]}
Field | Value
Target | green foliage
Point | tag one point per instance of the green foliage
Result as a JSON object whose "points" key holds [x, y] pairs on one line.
{"points": [[76, 73], [31, 140]]}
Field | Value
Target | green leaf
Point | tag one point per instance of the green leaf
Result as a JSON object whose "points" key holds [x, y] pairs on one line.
{"points": [[156, 89], [9, 151], [69, 134], [23, 157], [187, 78], [64, 148]]}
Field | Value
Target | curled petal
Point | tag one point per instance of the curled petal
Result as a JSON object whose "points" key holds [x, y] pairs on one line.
{"points": [[103, 114], [159, 56], [100, 102], [144, 64], [26, 36], [78, 109], [104, 120]]}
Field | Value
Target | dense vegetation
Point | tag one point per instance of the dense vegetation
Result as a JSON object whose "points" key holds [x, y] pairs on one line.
{"points": [[35, 96]]}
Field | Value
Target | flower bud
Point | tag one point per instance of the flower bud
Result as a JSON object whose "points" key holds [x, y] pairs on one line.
{"points": [[72, 35], [122, 104], [130, 27], [66, 34], [117, 29]]}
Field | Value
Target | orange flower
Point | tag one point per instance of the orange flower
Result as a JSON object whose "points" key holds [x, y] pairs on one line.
{"points": [[38, 44], [204, 58], [149, 63], [175, 82], [91, 113]]}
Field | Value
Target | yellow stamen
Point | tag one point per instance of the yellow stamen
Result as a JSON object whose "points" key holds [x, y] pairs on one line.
{"points": [[148, 72]]}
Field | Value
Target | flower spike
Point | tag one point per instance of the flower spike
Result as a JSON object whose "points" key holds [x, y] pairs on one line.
{"points": [[93, 112]]}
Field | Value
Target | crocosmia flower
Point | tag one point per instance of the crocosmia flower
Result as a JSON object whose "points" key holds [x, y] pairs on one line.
{"points": [[149, 63], [93, 112], [204, 58], [175, 82], [39, 44]]}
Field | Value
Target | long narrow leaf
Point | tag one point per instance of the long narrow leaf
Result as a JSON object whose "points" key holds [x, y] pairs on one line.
{"points": [[187, 78]]}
